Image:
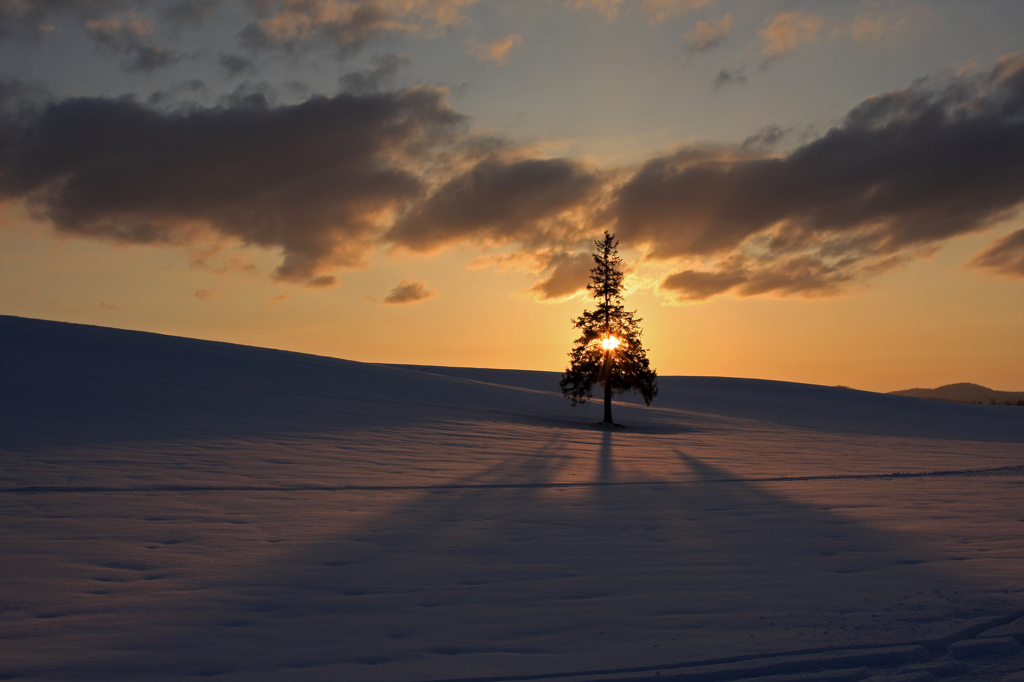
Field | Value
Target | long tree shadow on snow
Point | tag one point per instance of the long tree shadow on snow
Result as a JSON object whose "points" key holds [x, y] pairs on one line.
{"points": [[479, 581]]}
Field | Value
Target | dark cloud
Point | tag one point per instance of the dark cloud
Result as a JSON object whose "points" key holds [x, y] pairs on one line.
{"points": [[148, 57], [20, 98], [569, 273], [698, 285], [250, 95], [314, 180], [408, 291], [902, 173], [177, 92], [235, 65], [800, 275], [765, 138], [321, 281], [729, 77], [498, 202], [194, 12], [1004, 256], [376, 76]]}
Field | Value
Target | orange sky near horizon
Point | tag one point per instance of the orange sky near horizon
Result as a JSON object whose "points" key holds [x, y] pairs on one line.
{"points": [[818, 191], [925, 325]]}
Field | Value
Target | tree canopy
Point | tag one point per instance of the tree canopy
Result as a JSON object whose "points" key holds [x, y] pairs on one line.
{"points": [[608, 351]]}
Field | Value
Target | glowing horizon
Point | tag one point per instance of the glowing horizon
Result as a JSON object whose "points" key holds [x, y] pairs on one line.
{"points": [[426, 189]]}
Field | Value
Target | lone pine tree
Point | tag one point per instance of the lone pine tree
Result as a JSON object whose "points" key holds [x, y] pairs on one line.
{"points": [[608, 351]]}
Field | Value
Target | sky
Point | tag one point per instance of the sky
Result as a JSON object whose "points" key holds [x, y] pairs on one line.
{"points": [[824, 192]]}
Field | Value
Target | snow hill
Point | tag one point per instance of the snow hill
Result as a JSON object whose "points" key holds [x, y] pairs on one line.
{"points": [[966, 393], [94, 379], [173, 508]]}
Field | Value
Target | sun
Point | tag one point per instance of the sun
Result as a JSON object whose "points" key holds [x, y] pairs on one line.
{"points": [[610, 343]]}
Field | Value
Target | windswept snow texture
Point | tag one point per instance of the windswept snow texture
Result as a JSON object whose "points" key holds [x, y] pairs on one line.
{"points": [[175, 508]]}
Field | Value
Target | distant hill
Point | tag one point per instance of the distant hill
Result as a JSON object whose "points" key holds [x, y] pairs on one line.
{"points": [[966, 393]]}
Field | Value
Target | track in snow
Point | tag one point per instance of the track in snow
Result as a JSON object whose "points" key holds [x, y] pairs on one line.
{"points": [[961, 473]]}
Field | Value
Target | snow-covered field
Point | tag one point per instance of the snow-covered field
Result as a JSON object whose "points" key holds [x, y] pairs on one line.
{"points": [[175, 508]]}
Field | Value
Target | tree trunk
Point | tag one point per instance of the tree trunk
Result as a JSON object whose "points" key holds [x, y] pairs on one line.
{"points": [[608, 387], [608, 403]]}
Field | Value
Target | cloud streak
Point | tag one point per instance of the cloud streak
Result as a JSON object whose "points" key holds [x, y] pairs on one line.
{"points": [[787, 32], [26, 19], [408, 291], [294, 24], [375, 76], [658, 11], [872, 27], [707, 35], [290, 25], [1003, 257], [497, 51], [728, 77], [127, 35]]}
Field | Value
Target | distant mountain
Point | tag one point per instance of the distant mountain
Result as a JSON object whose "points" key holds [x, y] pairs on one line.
{"points": [[966, 393]]}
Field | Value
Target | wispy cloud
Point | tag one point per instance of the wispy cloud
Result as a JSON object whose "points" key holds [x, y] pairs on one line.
{"points": [[235, 65], [294, 24], [195, 12], [496, 51], [788, 31], [1003, 257], [206, 294], [376, 76], [609, 9], [876, 26], [708, 35], [126, 34], [729, 77], [275, 24], [658, 11], [408, 291], [765, 139], [27, 19]]}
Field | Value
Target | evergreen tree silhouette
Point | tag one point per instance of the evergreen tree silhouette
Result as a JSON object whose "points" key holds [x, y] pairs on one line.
{"points": [[608, 351]]}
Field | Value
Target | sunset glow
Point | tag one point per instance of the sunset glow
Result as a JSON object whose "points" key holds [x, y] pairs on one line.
{"points": [[795, 190], [610, 343]]}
